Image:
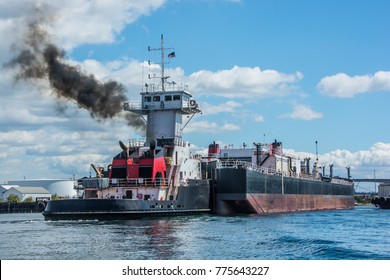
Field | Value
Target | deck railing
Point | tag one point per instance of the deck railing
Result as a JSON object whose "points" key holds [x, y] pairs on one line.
{"points": [[102, 183], [137, 143], [155, 105], [236, 164], [139, 182]]}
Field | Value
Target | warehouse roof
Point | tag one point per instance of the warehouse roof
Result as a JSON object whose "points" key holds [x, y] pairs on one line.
{"points": [[32, 190]]}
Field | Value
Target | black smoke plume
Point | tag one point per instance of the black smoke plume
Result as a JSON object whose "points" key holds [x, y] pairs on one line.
{"points": [[38, 58]]}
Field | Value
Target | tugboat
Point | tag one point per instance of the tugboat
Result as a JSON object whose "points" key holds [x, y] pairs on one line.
{"points": [[381, 202], [383, 199], [158, 176]]}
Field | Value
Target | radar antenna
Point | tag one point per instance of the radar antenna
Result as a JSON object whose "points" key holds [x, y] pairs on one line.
{"points": [[162, 49]]}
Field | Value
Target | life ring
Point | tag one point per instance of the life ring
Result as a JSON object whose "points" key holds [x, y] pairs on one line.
{"points": [[192, 102], [41, 206]]}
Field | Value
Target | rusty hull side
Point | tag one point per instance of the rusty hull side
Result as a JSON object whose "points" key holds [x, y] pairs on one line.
{"points": [[279, 203], [247, 191]]}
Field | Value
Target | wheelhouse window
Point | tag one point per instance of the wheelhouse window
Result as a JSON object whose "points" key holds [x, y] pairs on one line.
{"points": [[147, 99], [176, 98], [145, 172], [156, 98], [168, 97], [119, 172]]}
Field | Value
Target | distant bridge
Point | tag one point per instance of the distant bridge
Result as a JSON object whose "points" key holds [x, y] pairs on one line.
{"points": [[376, 180]]}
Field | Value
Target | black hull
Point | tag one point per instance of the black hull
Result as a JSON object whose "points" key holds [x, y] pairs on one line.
{"points": [[381, 202], [125, 215], [247, 191], [191, 200]]}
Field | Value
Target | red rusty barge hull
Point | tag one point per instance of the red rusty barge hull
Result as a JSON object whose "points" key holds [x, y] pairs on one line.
{"points": [[279, 203]]}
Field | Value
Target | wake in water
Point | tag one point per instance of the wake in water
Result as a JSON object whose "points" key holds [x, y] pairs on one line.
{"points": [[326, 235]]}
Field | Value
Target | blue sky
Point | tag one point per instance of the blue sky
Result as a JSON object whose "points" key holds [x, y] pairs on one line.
{"points": [[297, 71]]}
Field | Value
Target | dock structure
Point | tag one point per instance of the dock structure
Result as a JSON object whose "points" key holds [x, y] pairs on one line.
{"points": [[22, 207]]}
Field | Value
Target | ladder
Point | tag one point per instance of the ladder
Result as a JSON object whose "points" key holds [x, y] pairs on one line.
{"points": [[172, 179]]}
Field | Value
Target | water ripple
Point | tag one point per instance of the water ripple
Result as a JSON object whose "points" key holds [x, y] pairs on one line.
{"points": [[358, 234]]}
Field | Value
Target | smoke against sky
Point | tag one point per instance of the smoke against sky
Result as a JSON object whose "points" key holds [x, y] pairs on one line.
{"points": [[39, 58]]}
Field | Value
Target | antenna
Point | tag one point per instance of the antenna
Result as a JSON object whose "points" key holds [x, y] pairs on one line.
{"points": [[162, 49], [316, 151]]}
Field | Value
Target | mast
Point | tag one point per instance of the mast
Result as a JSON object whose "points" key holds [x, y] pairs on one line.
{"points": [[162, 49], [163, 107], [162, 63]]}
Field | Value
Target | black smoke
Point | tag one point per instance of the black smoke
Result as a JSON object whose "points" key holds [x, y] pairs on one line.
{"points": [[38, 58]]}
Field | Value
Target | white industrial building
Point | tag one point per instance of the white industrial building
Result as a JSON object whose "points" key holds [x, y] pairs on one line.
{"points": [[63, 188], [384, 190], [36, 193], [3, 189]]}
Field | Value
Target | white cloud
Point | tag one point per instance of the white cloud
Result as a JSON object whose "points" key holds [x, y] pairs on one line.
{"points": [[302, 112], [243, 82], [378, 154], [100, 20], [259, 118], [127, 72], [23, 115], [376, 157], [230, 127], [229, 107], [344, 86], [52, 152], [210, 127], [74, 22]]}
